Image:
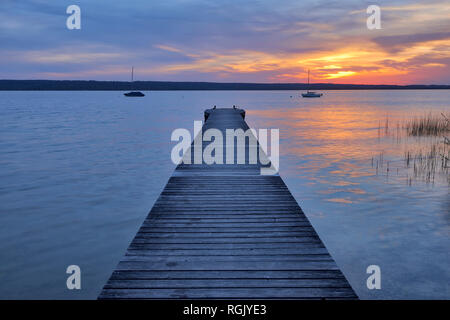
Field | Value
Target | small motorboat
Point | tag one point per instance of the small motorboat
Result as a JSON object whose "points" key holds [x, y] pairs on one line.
{"points": [[311, 94], [133, 93]]}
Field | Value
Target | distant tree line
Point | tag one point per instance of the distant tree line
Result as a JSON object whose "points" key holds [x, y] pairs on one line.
{"points": [[82, 85]]}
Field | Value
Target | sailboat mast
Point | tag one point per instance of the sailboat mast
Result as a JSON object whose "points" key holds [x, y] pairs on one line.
{"points": [[132, 74], [308, 78]]}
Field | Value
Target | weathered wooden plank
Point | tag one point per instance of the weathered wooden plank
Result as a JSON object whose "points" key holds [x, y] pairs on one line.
{"points": [[229, 283], [230, 293], [225, 274], [224, 210], [253, 229], [229, 220], [228, 258], [219, 240], [228, 252], [156, 223], [226, 265], [224, 216], [190, 235], [222, 246]]}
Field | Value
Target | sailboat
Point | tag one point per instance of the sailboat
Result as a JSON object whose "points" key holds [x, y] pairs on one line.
{"points": [[133, 93], [311, 94]]}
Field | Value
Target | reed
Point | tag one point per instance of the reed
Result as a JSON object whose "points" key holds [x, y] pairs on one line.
{"points": [[436, 159], [428, 125]]}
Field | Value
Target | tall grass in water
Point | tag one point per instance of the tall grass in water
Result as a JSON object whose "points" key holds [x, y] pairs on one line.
{"points": [[430, 161], [428, 125], [435, 160]]}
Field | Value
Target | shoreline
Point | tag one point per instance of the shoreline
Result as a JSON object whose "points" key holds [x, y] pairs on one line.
{"points": [[91, 85]]}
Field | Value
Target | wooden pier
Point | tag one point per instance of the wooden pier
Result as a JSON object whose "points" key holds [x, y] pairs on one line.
{"points": [[224, 231]]}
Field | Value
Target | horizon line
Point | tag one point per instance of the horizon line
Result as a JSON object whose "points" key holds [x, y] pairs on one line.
{"points": [[225, 83]]}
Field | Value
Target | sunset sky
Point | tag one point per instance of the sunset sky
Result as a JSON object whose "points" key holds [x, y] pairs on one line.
{"points": [[227, 41]]}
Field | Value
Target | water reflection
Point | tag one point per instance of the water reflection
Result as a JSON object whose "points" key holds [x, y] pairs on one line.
{"points": [[344, 160], [348, 138]]}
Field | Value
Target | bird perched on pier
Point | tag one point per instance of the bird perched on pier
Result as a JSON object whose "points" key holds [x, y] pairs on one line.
{"points": [[214, 107]]}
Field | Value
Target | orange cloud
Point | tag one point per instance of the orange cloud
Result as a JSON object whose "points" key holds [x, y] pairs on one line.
{"points": [[339, 74], [362, 62]]}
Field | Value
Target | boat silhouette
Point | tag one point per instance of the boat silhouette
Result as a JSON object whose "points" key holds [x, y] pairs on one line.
{"points": [[133, 93], [311, 94]]}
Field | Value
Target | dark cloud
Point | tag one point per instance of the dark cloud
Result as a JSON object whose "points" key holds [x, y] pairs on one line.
{"points": [[396, 43], [417, 62]]}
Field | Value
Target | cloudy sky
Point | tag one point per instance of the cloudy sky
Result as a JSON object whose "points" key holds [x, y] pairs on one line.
{"points": [[227, 41]]}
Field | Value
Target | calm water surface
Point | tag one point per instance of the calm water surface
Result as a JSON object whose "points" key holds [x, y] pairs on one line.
{"points": [[79, 172]]}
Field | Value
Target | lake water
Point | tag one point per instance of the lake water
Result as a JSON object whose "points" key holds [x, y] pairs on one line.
{"points": [[79, 172]]}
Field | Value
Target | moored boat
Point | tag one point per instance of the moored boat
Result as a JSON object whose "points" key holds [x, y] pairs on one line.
{"points": [[133, 93], [311, 94]]}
